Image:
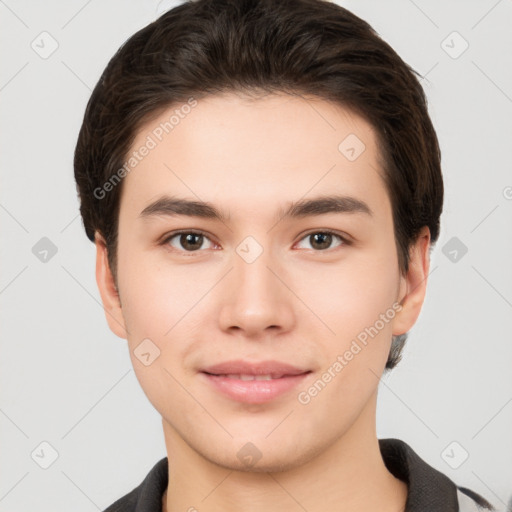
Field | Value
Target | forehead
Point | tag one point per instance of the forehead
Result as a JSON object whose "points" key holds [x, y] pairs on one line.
{"points": [[249, 153]]}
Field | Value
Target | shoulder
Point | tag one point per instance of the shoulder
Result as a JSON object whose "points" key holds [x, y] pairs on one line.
{"points": [[147, 496], [428, 488], [126, 503]]}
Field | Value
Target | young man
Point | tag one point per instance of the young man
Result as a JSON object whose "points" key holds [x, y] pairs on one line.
{"points": [[263, 185]]}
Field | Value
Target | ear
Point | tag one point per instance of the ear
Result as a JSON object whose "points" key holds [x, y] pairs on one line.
{"points": [[108, 290], [413, 286]]}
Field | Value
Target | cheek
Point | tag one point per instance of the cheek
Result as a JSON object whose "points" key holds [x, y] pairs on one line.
{"points": [[351, 295], [161, 305], [155, 311], [357, 305], [153, 298]]}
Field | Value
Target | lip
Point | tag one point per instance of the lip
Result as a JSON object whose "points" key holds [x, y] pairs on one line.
{"points": [[285, 377], [240, 366]]}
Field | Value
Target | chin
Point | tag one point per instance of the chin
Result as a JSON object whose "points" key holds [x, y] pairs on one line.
{"points": [[262, 458]]}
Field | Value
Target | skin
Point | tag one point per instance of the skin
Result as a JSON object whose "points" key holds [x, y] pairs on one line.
{"points": [[295, 303]]}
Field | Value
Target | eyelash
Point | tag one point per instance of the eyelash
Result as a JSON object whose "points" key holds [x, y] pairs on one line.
{"points": [[345, 241]]}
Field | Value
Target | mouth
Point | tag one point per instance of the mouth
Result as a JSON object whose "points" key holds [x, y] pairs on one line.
{"points": [[247, 376], [254, 383]]}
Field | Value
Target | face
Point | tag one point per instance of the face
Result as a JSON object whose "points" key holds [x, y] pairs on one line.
{"points": [[259, 281]]}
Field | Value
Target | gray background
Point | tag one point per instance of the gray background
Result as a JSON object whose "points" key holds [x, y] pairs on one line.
{"points": [[67, 380]]}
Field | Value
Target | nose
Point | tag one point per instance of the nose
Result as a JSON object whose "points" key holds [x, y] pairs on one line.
{"points": [[256, 298]]}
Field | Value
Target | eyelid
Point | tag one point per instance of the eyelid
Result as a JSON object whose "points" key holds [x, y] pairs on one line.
{"points": [[344, 236]]}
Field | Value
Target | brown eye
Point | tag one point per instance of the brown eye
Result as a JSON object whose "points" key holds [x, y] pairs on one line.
{"points": [[187, 241], [191, 241], [322, 240]]}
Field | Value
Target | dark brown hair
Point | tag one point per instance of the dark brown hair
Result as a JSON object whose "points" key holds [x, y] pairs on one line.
{"points": [[305, 47]]}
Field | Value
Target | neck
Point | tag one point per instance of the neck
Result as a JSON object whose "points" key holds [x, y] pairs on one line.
{"points": [[350, 476]]}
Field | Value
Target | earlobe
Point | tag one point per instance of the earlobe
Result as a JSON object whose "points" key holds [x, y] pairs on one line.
{"points": [[108, 291], [414, 283]]}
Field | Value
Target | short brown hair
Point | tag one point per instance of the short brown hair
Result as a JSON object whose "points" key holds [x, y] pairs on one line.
{"points": [[311, 47]]}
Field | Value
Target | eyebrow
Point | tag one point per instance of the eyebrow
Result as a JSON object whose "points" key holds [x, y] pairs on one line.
{"points": [[172, 206]]}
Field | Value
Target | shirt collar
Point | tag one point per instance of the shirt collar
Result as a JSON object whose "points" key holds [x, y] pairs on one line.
{"points": [[428, 488]]}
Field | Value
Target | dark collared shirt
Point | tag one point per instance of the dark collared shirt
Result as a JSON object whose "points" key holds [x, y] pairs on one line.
{"points": [[428, 489]]}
